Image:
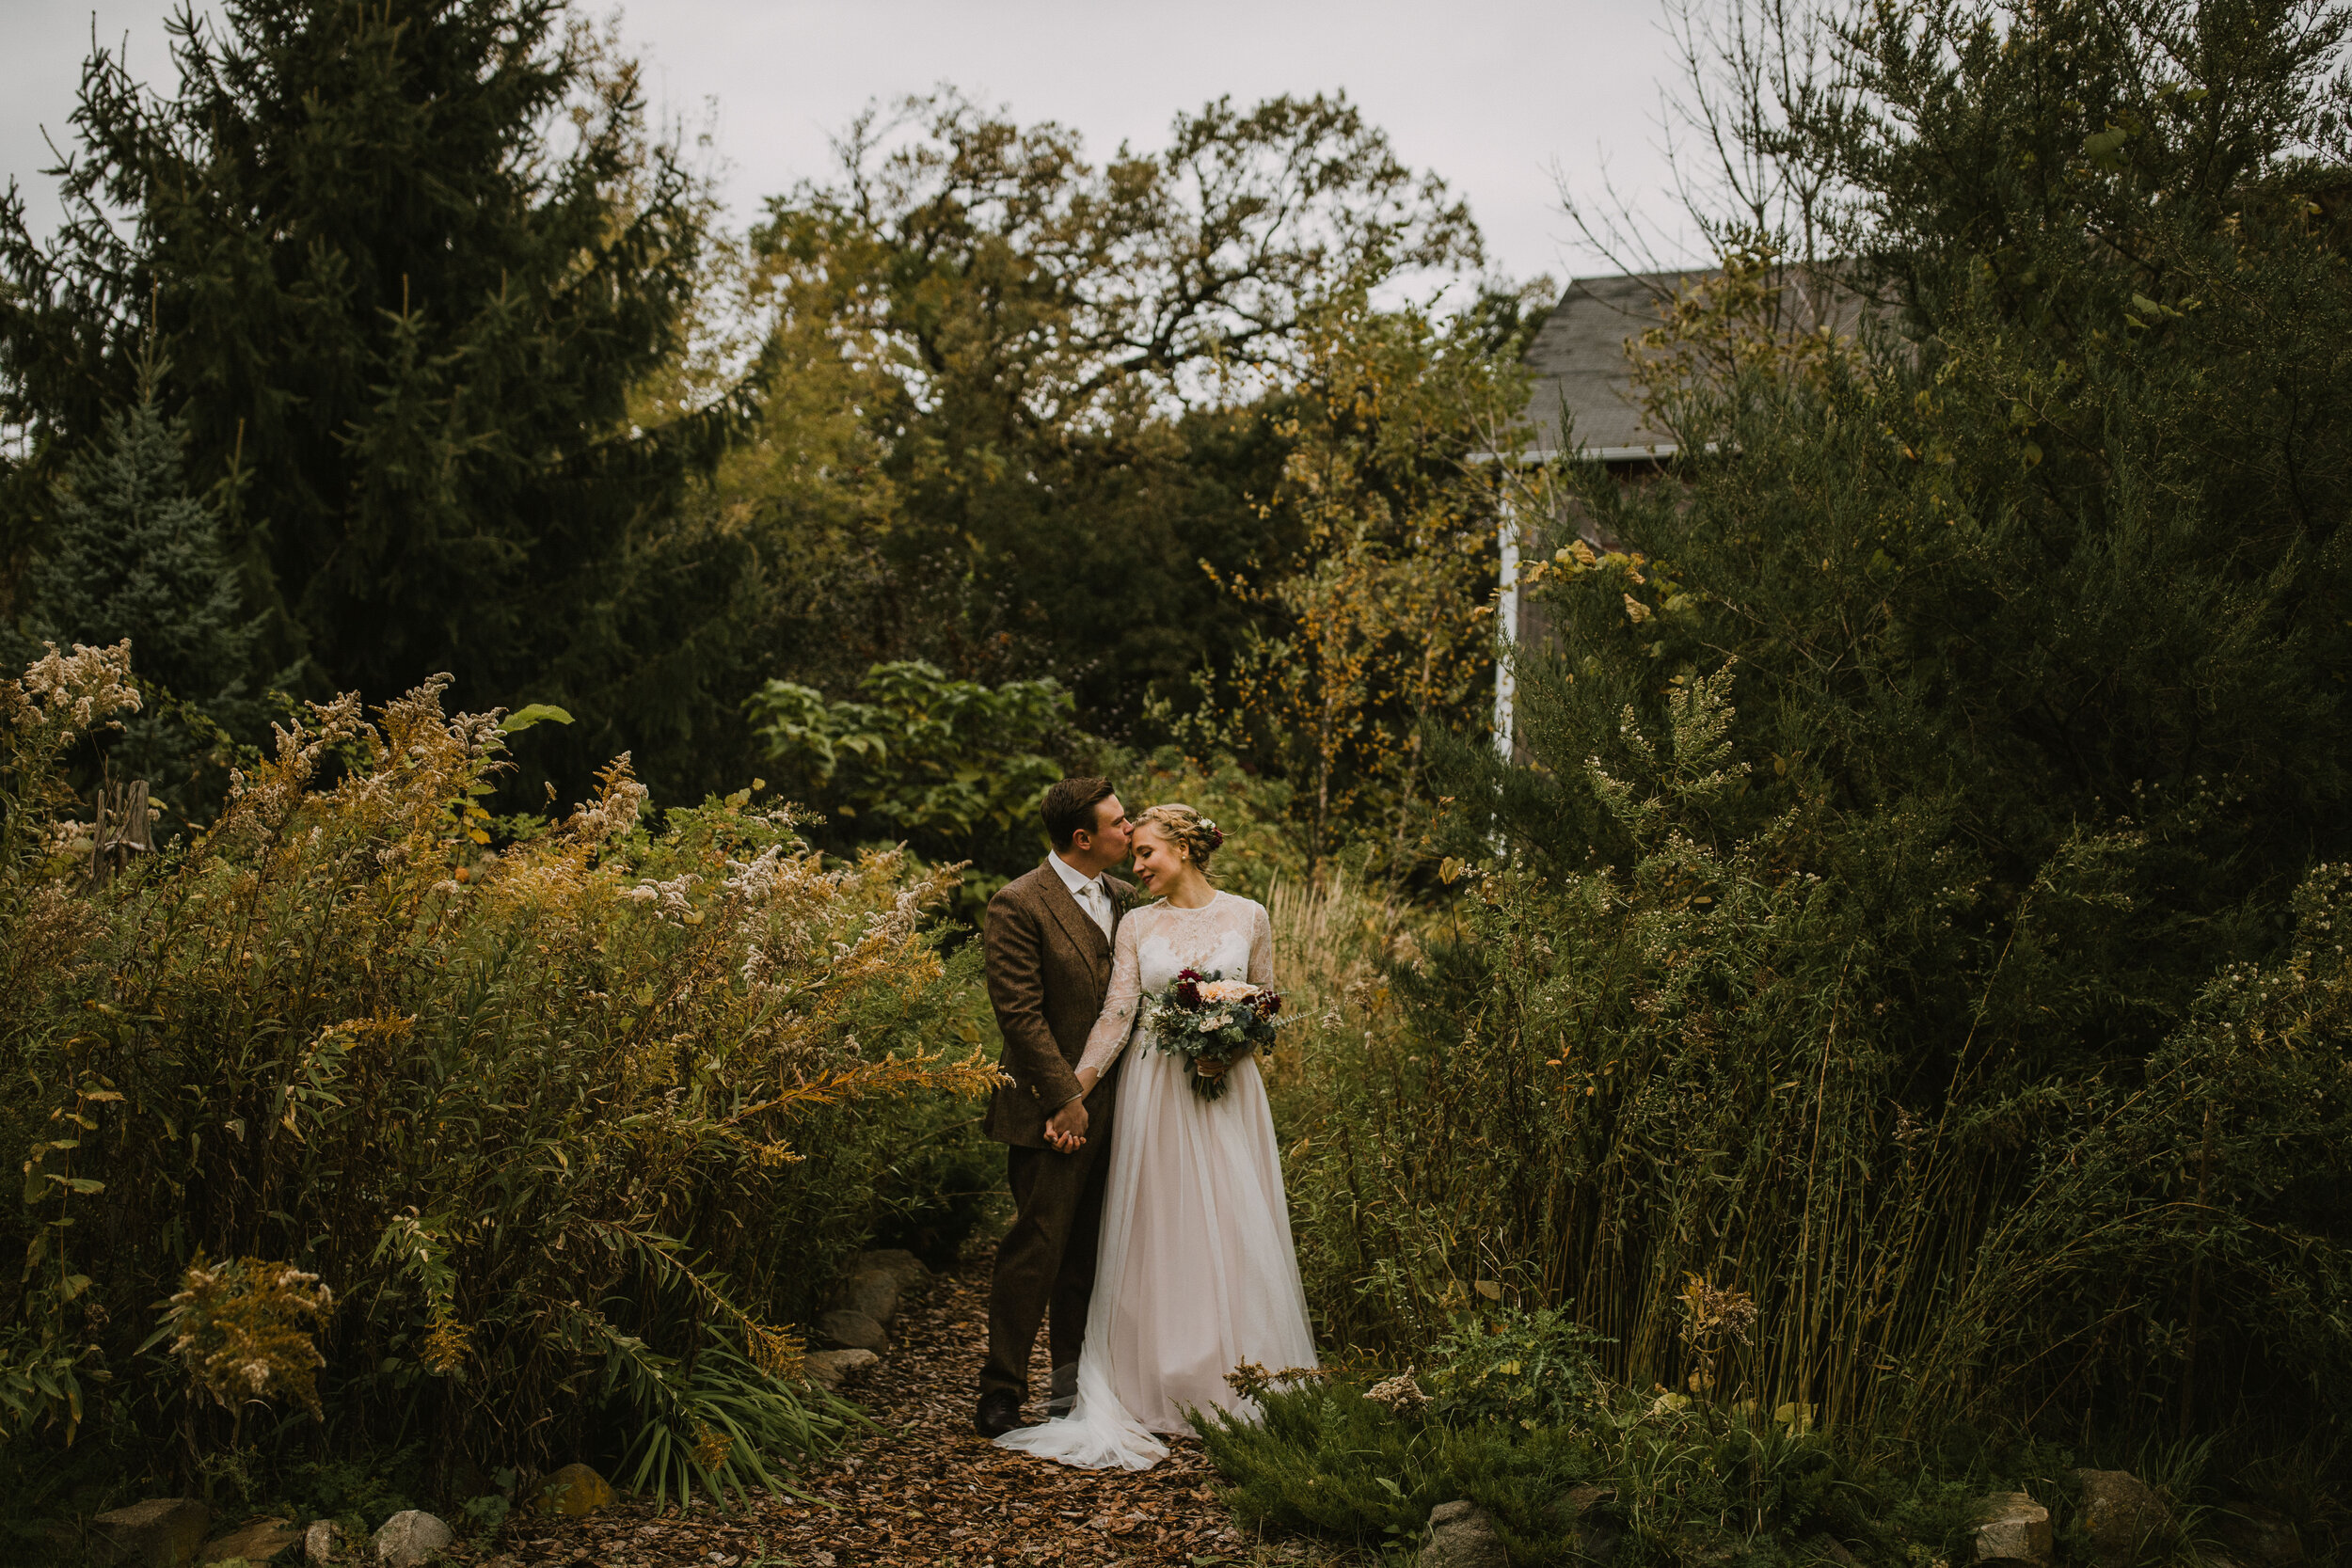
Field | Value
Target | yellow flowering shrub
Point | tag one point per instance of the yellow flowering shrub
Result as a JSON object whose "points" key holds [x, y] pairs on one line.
{"points": [[562, 1124]]}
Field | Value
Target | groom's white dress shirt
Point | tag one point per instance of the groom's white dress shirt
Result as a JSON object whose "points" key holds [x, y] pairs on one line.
{"points": [[1091, 894]]}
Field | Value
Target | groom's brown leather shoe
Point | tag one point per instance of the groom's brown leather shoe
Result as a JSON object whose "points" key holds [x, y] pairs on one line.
{"points": [[1000, 1411]]}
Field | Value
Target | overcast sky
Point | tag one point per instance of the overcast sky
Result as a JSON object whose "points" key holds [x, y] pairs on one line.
{"points": [[1504, 98]]}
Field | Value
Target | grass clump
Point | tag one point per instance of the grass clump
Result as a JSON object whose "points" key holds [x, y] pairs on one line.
{"points": [[1567, 1464]]}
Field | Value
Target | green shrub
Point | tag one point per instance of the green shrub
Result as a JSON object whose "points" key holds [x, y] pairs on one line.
{"points": [[955, 766], [1327, 1460], [1663, 1478], [1526, 1370], [1972, 1001]]}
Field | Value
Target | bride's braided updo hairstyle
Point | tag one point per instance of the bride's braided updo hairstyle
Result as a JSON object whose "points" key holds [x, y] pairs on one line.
{"points": [[1187, 829]]}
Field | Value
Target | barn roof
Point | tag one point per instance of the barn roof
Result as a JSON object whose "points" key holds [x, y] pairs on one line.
{"points": [[1584, 382], [1579, 358]]}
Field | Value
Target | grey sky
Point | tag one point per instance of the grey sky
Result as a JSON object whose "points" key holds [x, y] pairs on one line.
{"points": [[1496, 95]]}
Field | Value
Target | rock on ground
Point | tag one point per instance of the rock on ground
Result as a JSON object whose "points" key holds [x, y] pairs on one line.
{"points": [[2256, 1534], [318, 1543], [2121, 1513], [255, 1541], [853, 1331], [827, 1366], [869, 1293], [2012, 1527], [901, 1265], [1462, 1536], [408, 1537], [161, 1532], [575, 1490]]}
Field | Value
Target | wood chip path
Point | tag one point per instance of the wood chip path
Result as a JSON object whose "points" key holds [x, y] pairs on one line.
{"points": [[926, 1488]]}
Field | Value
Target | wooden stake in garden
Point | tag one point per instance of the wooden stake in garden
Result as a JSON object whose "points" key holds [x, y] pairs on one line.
{"points": [[124, 827]]}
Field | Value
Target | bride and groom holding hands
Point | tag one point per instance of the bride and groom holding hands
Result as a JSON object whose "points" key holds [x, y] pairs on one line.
{"points": [[1151, 1235]]}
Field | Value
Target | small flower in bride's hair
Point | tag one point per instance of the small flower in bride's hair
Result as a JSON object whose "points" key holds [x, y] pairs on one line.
{"points": [[1217, 835]]}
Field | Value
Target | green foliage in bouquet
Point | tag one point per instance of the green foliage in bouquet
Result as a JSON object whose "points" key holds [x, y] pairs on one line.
{"points": [[1209, 1020]]}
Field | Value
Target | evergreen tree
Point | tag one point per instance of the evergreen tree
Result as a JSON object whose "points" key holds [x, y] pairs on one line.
{"points": [[410, 261], [2034, 602], [135, 555]]}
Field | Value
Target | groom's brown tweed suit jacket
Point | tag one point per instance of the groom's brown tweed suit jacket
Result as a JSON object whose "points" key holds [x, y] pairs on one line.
{"points": [[1048, 966]]}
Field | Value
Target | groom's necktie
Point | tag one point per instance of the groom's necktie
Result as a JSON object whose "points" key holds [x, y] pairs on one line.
{"points": [[1097, 904]]}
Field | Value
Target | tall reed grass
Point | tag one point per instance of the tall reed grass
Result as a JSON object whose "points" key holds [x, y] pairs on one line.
{"points": [[1597, 1088]]}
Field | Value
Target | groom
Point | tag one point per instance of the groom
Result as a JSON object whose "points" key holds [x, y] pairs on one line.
{"points": [[1048, 947]]}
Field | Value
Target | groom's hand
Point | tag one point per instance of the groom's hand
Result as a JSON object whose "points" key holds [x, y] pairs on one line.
{"points": [[1067, 1131]]}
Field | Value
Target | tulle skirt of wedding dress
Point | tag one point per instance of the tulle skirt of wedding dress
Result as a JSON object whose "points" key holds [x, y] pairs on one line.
{"points": [[1196, 1273]]}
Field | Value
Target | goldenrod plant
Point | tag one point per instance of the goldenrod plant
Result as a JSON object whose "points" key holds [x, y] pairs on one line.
{"points": [[571, 1125]]}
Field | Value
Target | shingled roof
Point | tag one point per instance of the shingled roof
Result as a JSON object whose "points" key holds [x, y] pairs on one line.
{"points": [[1581, 376], [1579, 358]]}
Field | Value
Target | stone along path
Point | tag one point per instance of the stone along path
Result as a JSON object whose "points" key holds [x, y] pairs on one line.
{"points": [[924, 1488]]}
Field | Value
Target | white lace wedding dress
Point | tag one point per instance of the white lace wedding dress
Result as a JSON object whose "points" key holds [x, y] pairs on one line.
{"points": [[1196, 1273]]}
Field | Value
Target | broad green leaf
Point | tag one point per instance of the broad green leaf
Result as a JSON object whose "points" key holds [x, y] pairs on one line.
{"points": [[533, 713]]}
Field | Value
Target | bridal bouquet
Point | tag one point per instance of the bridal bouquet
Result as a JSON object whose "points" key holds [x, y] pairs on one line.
{"points": [[1209, 1020]]}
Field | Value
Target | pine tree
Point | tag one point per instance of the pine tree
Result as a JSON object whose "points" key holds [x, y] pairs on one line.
{"points": [[410, 261], [135, 555]]}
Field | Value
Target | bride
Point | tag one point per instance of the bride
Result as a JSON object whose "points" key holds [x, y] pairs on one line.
{"points": [[1196, 1273]]}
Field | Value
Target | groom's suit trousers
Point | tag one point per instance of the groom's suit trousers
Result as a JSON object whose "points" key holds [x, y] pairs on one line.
{"points": [[1045, 1264]]}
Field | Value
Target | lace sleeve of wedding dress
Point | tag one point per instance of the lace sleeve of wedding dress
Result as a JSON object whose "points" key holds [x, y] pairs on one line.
{"points": [[1117, 1017], [1260, 947]]}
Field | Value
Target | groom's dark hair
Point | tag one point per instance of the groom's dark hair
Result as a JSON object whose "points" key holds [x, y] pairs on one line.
{"points": [[1069, 808]]}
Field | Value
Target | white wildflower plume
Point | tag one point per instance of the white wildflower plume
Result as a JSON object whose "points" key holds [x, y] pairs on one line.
{"points": [[898, 922], [669, 897], [1399, 1395], [754, 880], [84, 689], [614, 810], [279, 785], [904, 912]]}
